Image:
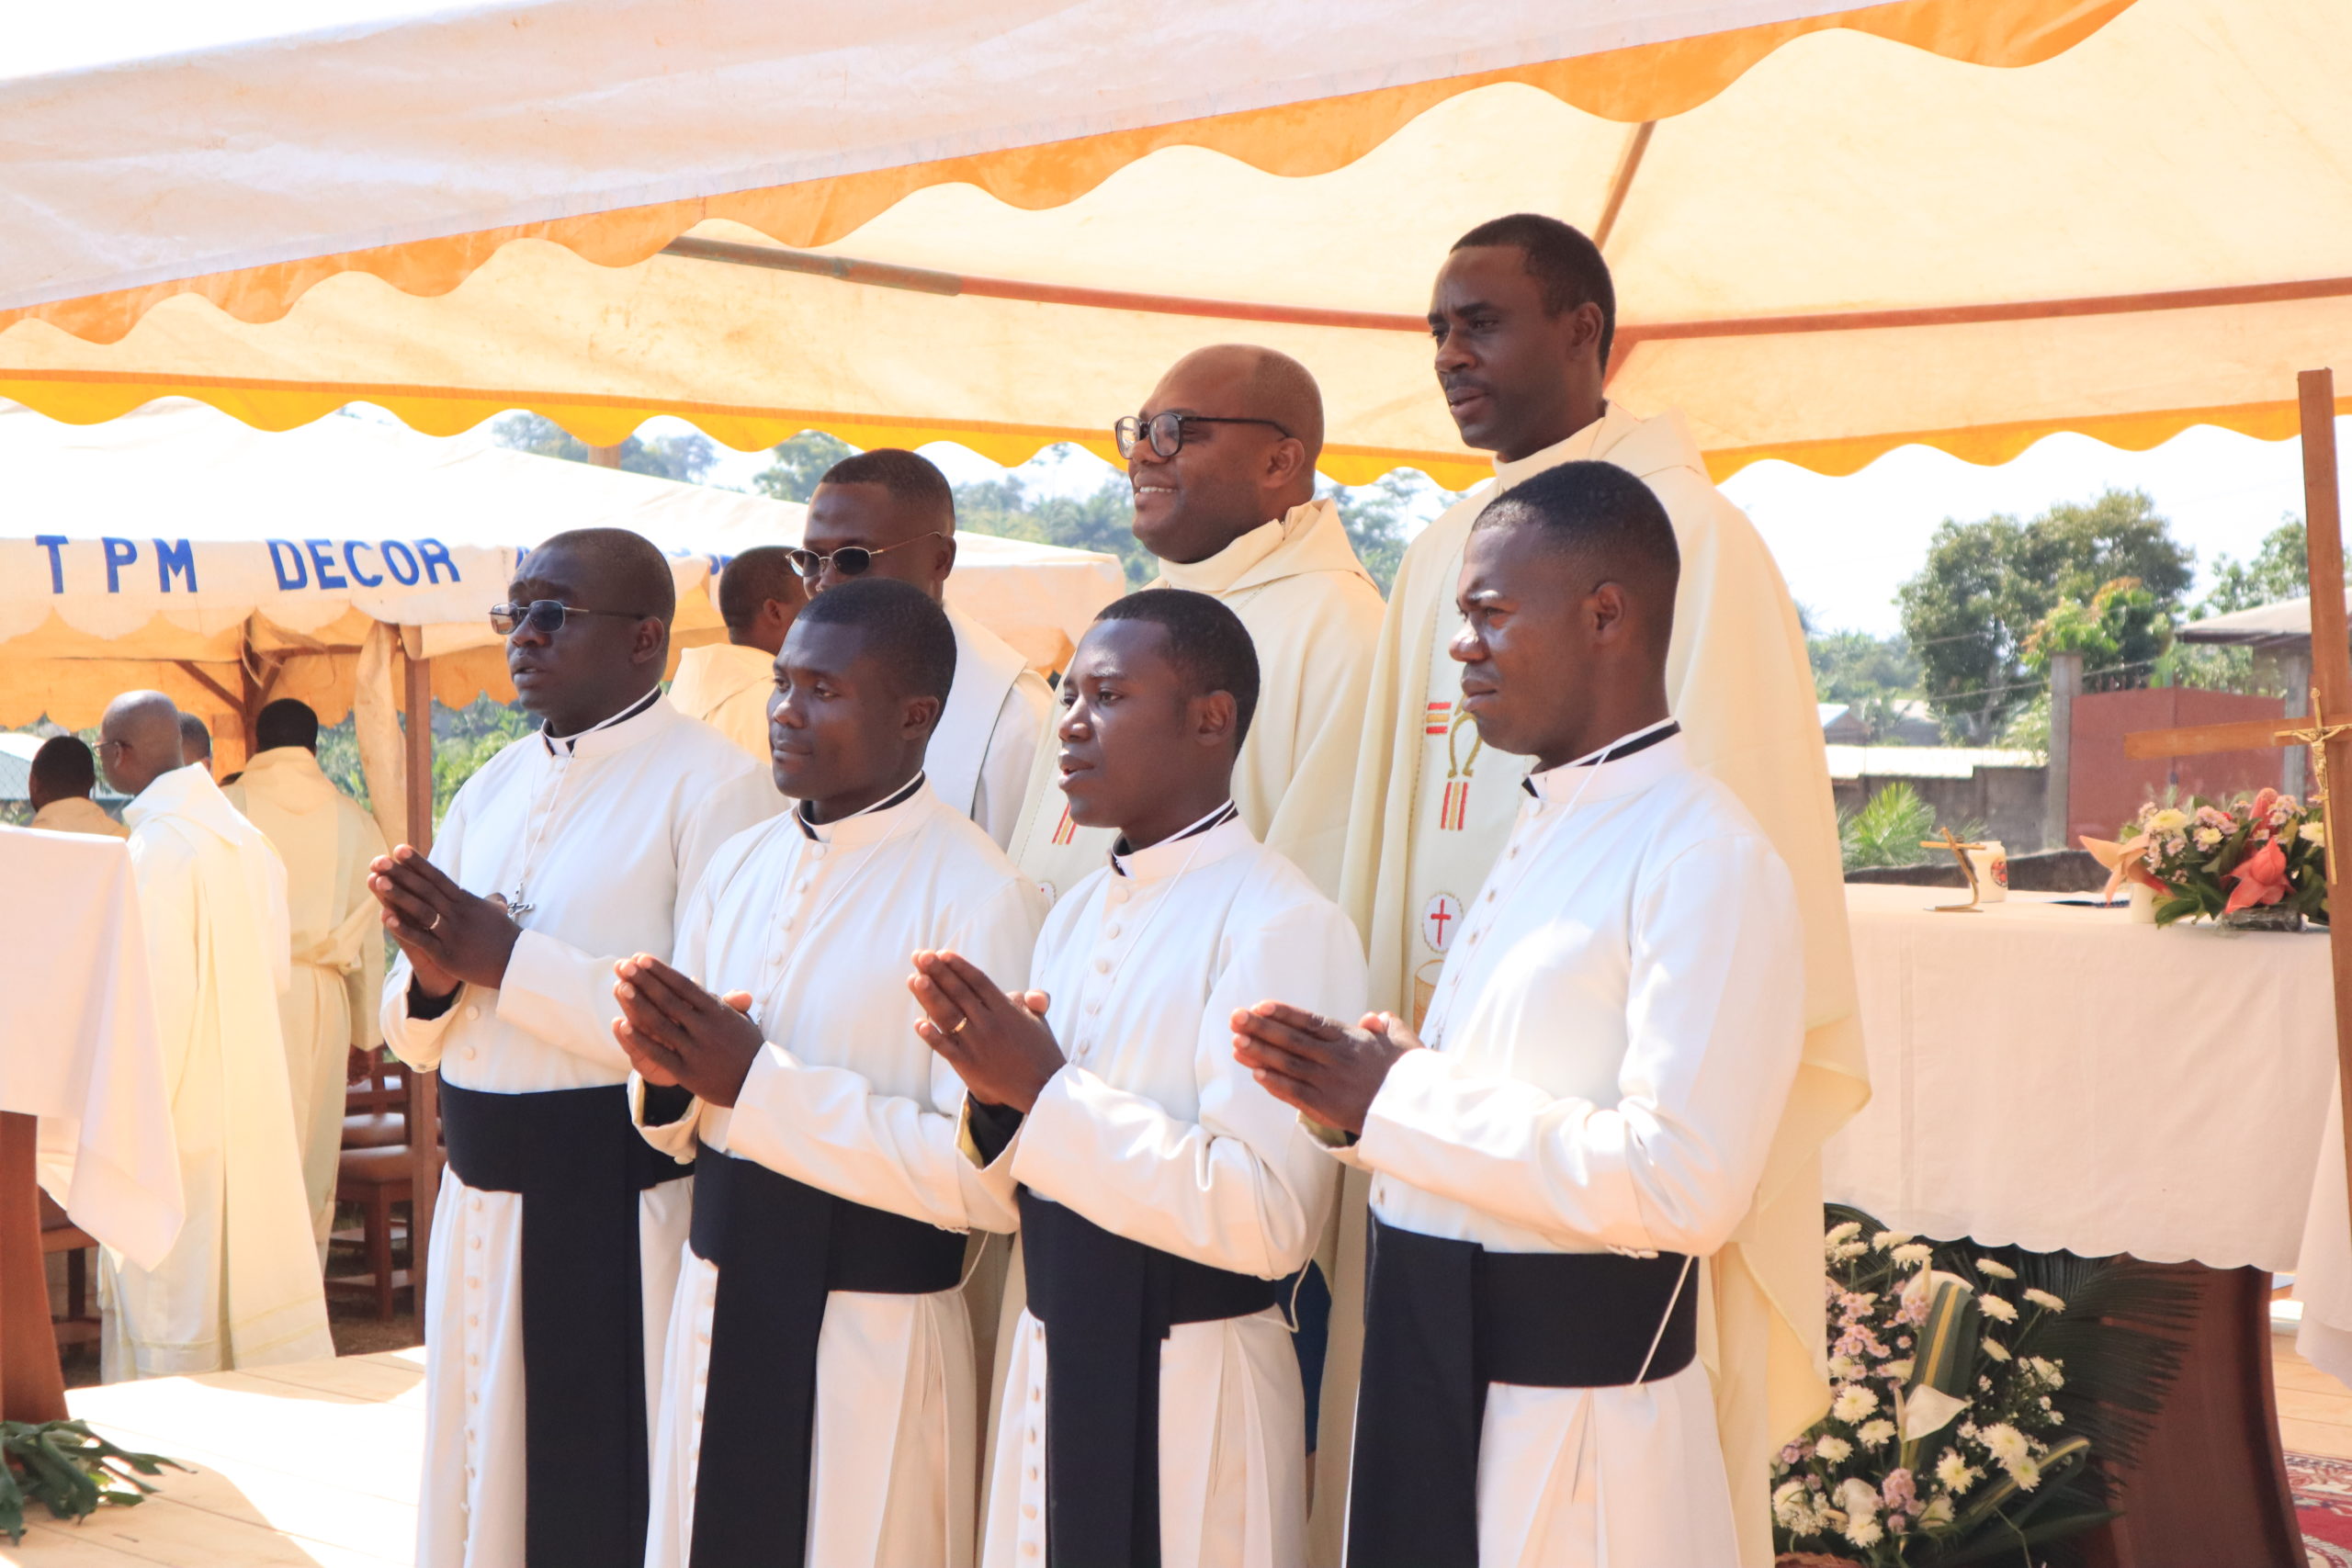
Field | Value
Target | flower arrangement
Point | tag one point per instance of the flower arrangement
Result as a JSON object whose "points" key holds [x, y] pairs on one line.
{"points": [[2263, 851], [1954, 1432]]}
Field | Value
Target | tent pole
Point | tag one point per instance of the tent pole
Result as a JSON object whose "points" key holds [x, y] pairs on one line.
{"points": [[423, 1119]]}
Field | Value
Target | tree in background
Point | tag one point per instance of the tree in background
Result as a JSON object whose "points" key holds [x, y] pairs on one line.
{"points": [[2121, 634], [1382, 517], [1987, 585], [685, 459], [799, 464], [1872, 675], [2279, 570]]}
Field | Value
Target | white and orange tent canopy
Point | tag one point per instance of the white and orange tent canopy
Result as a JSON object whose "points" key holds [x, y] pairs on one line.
{"points": [[178, 550], [995, 222]]}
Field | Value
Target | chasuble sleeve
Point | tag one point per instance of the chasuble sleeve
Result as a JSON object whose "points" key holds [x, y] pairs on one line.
{"points": [[169, 911], [1022, 724], [1242, 1188], [830, 1127], [1714, 1023]]}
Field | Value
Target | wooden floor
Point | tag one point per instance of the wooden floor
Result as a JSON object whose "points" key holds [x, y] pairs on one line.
{"points": [[307, 1465], [316, 1464]]}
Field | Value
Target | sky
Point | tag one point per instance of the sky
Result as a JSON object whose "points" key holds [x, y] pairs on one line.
{"points": [[1844, 545]]}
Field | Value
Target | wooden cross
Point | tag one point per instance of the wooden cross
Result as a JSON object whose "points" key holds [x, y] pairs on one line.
{"points": [[2330, 743]]}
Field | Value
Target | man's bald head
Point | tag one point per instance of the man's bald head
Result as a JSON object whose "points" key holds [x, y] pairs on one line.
{"points": [[596, 664], [1252, 430], [139, 741], [196, 741]]}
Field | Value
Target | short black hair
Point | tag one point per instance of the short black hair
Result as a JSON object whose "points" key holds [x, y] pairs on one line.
{"points": [[1206, 642], [639, 571], [751, 580], [192, 732], [911, 479], [1601, 515], [1561, 258], [904, 627], [64, 766], [288, 721]]}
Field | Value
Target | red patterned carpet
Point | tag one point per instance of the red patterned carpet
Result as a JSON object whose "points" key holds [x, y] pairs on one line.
{"points": [[2324, 1503]]}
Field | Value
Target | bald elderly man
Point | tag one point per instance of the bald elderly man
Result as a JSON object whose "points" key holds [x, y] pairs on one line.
{"points": [[240, 1288], [889, 513], [1222, 459]]}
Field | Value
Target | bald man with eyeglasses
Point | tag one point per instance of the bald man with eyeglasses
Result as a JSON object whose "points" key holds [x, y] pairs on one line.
{"points": [[889, 513]]}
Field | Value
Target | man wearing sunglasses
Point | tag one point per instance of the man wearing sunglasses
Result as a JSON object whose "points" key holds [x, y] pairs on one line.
{"points": [[1222, 459], [889, 513], [567, 851]]}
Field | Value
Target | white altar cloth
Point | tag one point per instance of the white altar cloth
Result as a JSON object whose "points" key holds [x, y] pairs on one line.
{"points": [[77, 1038], [2057, 1077]]}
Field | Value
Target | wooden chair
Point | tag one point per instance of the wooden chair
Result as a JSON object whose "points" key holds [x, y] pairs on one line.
{"points": [[375, 1175], [59, 1234]]}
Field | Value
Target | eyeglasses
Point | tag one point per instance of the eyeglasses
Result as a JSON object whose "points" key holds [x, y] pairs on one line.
{"points": [[544, 617], [850, 561], [1166, 430]]}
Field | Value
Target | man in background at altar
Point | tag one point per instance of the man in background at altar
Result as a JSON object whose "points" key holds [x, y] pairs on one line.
{"points": [[1222, 459], [63, 774], [890, 513], [326, 839], [727, 685], [1523, 312], [241, 1287]]}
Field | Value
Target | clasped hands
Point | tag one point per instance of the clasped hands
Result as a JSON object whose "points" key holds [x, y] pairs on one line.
{"points": [[452, 937]]}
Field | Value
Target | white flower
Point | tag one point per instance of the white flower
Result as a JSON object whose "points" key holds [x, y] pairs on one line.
{"points": [[1955, 1473], [2045, 1300], [1863, 1530], [2006, 1444], [1997, 1309], [2170, 820], [1837, 1451], [1841, 1233], [1858, 1497], [1900, 1370], [1875, 1433], [1994, 1348], [2208, 837], [2314, 832], [2026, 1473], [1850, 1250], [1885, 1239], [1913, 1254], [1995, 1270], [1936, 1513], [1844, 1369], [2047, 1371], [1793, 1507], [1853, 1402]]}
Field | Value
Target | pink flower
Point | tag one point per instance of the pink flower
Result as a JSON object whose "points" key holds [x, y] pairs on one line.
{"points": [[2264, 799], [1902, 1493], [2261, 878]]}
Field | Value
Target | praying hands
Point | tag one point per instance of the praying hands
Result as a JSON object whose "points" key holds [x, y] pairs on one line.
{"points": [[452, 937], [997, 1042], [1319, 1065], [676, 1033]]}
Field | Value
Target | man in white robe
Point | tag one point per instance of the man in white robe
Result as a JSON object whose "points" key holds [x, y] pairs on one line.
{"points": [[1222, 459], [1153, 1409], [1612, 1038], [727, 684], [890, 513], [326, 840], [818, 1399], [58, 787], [240, 1287], [556, 1237], [1523, 312], [195, 744]]}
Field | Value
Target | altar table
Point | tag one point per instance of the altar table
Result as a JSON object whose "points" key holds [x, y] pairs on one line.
{"points": [[2058, 1077]]}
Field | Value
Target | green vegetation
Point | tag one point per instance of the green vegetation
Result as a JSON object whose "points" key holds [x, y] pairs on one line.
{"points": [[685, 459], [1890, 826]]}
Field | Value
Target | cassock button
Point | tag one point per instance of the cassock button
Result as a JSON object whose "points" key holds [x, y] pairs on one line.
{"points": [[468, 1053], [477, 1205], [1112, 930], [1514, 852], [1102, 966], [1095, 1006], [1036, 1395], [1032, 1473], [1028, 1548], [817, 849], [1033, 1434], [474, 1242], [1028, 1510], [473, 1012]]}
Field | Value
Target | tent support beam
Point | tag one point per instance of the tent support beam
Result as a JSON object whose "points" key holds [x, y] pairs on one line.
{"points": [[196, 673], [1629, 163]]}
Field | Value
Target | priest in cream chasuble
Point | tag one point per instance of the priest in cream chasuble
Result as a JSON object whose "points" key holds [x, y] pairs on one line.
{"points": [[1222, 459], [727, 684], [1152, 1412], [1608, 1046], [557, 1232], [1523, 312], [818, 1399], [890, 513]]}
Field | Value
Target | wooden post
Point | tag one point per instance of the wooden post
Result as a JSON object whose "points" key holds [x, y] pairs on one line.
{"points": [[424, 1088], [2332, 680], [2065, 685], [605, 456]]}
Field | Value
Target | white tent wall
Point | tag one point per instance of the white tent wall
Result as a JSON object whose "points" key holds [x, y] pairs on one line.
{"points": [[180, 549]]}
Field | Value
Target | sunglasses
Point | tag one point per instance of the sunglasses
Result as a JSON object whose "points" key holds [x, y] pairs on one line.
{"points": [[850, 561], [544, 617], [1166, 431]]}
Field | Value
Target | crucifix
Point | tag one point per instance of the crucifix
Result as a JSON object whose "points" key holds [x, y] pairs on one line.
{"points": [[2328, 729]]}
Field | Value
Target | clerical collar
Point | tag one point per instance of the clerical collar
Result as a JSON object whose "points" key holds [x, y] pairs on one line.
{"points": [[1609, 774], [831, 831], [1575, 448], [1128, 861], [569, 742]]}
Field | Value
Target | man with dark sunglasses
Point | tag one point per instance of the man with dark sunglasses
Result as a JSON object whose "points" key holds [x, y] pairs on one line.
{"points": [[1222, 459], [889, 513], [558, 1232]]}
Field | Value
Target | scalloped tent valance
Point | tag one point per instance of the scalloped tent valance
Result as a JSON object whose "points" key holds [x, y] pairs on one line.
{"points": [[1834, 232]]}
